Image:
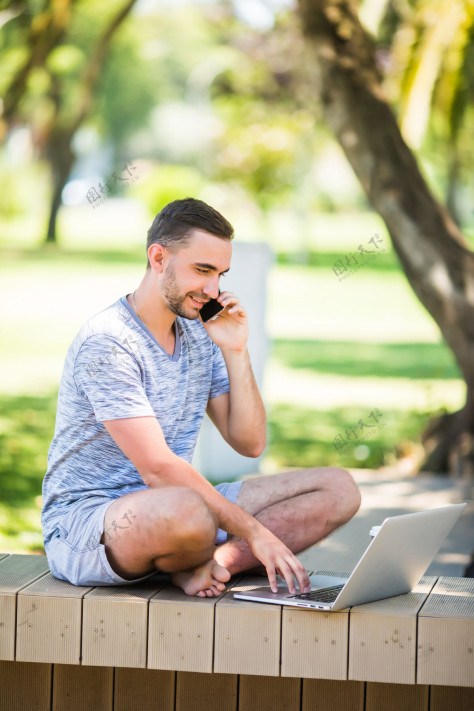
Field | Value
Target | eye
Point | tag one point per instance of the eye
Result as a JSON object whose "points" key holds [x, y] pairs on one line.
{"points": [[202, 271]]}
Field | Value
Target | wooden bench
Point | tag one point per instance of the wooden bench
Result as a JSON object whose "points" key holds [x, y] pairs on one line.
{"points": [[149, 646]]}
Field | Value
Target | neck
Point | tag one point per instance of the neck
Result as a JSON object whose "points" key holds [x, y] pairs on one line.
{"points": [[155, 313]]}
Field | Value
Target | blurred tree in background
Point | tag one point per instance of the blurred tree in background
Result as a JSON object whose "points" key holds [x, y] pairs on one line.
{"points": [[54, 57]]}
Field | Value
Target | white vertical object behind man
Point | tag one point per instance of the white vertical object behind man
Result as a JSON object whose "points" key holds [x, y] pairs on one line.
{"points": [[247, 277]]}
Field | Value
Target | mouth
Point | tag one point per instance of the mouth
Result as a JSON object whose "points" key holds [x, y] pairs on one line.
{"points": [[198, 303]]}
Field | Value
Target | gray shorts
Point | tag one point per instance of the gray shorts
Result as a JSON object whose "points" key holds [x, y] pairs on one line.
{"points": [[76, 554]]}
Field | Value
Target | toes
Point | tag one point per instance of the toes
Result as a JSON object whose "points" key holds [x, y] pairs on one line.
{"points": [[220, 573]]}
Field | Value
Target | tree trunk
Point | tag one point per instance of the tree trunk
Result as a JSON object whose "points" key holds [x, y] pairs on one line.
{"points": [[59, 139], [46, 32], [61, 158], [434, 255], [453, 183]]}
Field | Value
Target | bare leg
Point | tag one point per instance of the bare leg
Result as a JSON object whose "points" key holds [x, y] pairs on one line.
{"points": [[170, 529], [299, 507]]}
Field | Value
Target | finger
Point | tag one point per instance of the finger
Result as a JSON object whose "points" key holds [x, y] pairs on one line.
{"points": [[230, 302], [237, 309], [299, 572], [287, 574], [302, 577], [226, 296], [272, 579]]}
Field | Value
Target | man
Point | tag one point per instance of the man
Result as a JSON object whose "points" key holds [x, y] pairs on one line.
{"points": [[121, 499]]}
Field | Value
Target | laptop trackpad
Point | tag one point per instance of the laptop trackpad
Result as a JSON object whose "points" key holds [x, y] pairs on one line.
{"points": [[319, 582]]}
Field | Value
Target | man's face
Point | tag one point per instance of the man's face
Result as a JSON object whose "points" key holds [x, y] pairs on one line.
{"points": [[191, 276]]}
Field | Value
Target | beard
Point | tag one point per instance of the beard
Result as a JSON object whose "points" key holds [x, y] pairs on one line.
{"points": [[175, 300]]}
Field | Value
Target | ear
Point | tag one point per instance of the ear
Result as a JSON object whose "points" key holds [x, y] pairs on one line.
{"points": [[157, 255]]}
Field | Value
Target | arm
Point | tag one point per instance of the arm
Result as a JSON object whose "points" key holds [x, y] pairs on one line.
{"points": [[141, 440], [239, 415]]}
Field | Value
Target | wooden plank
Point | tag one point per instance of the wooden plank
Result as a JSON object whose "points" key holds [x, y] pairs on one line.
{"points": [[212, 692], [76, 688], [181, 631], [49, 615], [383, 637], [451, 698], [247, 634], [446, 634], [144, 689], [266, 693], [25, 686], [314, 643], [329, 695], [16, 571], [115, 627], [395, 697]]}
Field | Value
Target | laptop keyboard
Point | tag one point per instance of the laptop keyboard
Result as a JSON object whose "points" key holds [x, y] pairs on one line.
{"points": [[323, 595]]}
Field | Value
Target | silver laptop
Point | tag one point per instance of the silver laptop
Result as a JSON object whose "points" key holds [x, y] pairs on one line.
{"points": [[393, 564]]}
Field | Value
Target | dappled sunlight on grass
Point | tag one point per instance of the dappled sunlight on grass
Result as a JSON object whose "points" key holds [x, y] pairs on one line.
{"points": [[26, 430], [434, 361], [305, 437], [371, 306], [326, 391], [26, 425], [49, 300], [20, 531]]}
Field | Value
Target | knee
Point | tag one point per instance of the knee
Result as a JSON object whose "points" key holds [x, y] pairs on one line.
{"points": [[197, 527], [348, 493], [180, 518]]}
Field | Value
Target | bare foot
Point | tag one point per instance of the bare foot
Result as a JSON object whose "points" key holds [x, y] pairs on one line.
{"points": [[204, 581]]}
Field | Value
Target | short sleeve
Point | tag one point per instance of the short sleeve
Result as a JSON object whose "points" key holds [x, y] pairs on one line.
{"points": [[220, 378], [108, 374]]}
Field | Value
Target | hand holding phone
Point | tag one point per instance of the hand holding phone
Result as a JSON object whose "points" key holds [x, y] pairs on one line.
{"points": [[230, 332]]}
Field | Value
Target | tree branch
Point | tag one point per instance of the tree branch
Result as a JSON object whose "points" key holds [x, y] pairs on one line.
{"points": [[91, 73], [46, 31]]}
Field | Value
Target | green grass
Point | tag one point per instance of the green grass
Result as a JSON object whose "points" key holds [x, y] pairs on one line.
{"points": [[26, 429], [304, 437], [420, 361], [384, 261]]}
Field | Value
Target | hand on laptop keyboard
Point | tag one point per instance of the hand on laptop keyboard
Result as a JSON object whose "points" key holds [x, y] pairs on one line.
{"points": [[278, 559]]}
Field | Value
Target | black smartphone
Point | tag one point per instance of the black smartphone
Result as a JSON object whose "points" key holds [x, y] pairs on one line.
{"points": [[211, 309]]}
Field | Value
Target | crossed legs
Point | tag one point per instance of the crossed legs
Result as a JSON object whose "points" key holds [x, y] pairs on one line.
{"points": [[299, 507], [172, 529]]}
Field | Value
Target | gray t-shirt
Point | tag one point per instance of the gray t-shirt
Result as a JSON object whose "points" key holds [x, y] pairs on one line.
{"points": [[115, 369]]}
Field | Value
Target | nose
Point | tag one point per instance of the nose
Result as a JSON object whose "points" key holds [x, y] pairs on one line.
{"points": [[211, 288]]}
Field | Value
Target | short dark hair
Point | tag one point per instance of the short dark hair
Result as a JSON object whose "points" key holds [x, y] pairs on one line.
{"points": [[172, 226]]}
